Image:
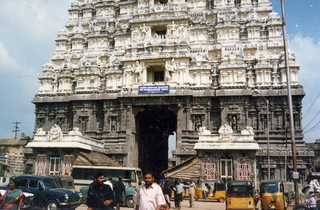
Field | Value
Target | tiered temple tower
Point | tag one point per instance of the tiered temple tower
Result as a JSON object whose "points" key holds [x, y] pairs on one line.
{"points": [[129, 73]]}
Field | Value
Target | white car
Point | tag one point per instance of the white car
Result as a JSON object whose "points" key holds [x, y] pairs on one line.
{"points": [[28, 198]]}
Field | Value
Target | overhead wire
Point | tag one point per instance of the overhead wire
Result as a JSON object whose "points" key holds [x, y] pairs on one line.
{"points": [[311, 120], [311, 106], [312, 128]]}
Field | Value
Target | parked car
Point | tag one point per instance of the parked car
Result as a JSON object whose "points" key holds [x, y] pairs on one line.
{"points": [[28, 200], [65, 181], [48, 193]]}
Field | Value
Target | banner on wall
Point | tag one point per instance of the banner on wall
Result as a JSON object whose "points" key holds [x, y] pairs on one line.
{"points": [[154, 89]]}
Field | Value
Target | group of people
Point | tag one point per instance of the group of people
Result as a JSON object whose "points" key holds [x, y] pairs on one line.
{"points": [[152, 196], [105, 195], [177, 187]]}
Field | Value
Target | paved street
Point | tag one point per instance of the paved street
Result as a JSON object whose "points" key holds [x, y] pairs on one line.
{"points": [[199, 205]]}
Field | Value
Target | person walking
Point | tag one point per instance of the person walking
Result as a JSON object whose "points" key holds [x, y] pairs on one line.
{"points": [[192, 187], [167, 191], [149, 195], [100, 196], [118, 189], [178, 187]]}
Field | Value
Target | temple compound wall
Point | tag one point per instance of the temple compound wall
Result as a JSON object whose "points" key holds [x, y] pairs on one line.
{"points": [[131, 73]]}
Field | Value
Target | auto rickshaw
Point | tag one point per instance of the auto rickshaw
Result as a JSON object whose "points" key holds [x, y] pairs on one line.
{"points": [[217, 191], [240, 195], [272, 195]]}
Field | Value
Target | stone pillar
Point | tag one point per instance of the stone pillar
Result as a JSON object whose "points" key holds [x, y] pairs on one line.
{"points": [[122, 118], [131, 160], [188, 122], [92, 119], [208, 113], [180, 127], [75, 118]]}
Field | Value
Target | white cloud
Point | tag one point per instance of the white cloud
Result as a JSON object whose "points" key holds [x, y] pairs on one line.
{"points": [[27, 32], [6, 61], [35, 17], [308, 57]]}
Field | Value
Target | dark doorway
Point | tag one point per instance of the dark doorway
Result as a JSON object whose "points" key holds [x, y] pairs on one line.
{"points": [[154, 127]]}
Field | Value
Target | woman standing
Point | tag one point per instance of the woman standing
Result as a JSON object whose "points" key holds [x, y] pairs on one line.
{"points": [[13, 198], [100, 196]]}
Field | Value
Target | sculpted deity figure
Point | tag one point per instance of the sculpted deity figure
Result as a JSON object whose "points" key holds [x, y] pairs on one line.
{"points": [[170, 69], [138, 72], [172, 29], [156, 38], [55, 133], [144, 30], [113, 124], [225, 132], [182, 31]]}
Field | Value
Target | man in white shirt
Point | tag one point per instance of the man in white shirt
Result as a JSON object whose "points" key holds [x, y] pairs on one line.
{"points": [[109, 182], [192, 187], [309, 188], [149, 195], [179, 187]]}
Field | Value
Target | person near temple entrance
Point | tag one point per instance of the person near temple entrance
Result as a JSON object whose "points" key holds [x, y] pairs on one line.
{"points": [[167, 191], [100, 196], [192, 187], [118, 189], [178, 188], [149, 195]]}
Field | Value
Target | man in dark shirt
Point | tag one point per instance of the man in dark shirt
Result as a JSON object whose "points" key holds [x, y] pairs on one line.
{"points": [[100, 196], [118, 188], [167, 190]]}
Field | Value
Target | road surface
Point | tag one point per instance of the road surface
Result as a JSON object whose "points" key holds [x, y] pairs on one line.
{"points": [[198, 205]]}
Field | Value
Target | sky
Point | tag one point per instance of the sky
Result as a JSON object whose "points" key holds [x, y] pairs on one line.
{"points": [[28, 29]]}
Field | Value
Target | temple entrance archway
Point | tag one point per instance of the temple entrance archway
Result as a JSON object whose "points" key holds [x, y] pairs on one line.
{"points": [[154, 125]]}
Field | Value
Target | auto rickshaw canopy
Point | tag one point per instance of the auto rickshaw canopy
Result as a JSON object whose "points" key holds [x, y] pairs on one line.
{"points": [[240, 189], [271, 186]]}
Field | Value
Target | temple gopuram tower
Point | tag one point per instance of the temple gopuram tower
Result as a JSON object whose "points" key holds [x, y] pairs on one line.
{"points": [[130, 73]]}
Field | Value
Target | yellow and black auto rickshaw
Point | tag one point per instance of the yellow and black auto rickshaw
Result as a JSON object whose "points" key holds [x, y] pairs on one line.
{"points": [[217, 190], [272, 195], [240, 195]]}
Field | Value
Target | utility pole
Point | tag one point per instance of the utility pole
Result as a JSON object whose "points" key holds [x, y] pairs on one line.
{"points": [[293, 143], [16, 129]]}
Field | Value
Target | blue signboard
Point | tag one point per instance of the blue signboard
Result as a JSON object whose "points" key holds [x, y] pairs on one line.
{"points": [[154, 89]]}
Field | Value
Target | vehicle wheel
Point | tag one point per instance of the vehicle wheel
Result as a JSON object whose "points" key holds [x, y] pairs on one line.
{"points": [[221, 200], [130, 202], [51, 205]]}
